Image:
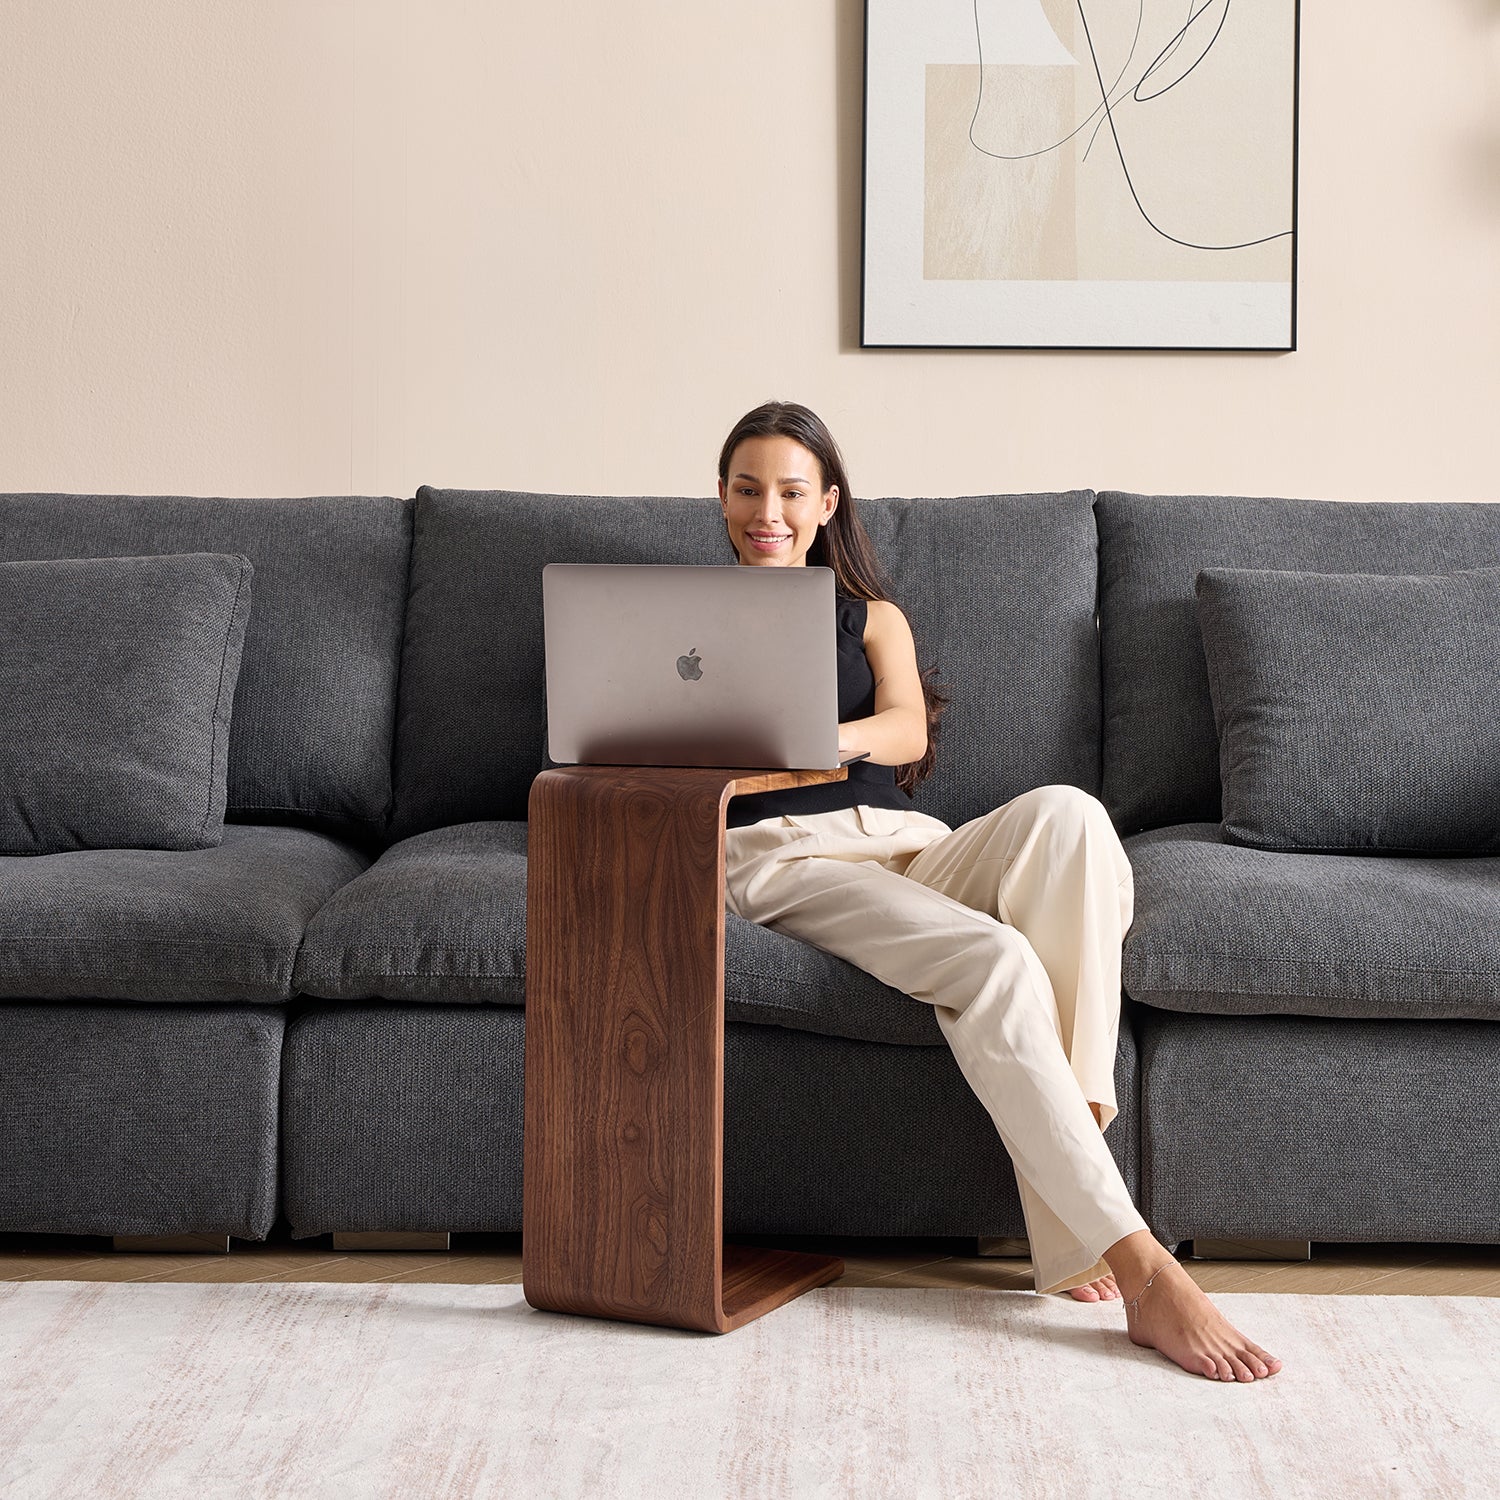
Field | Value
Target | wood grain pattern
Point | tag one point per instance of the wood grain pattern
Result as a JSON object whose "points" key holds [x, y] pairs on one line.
{"points": [[484, 1258], [172, 1244], [622, 1179], [1277, 1250]]}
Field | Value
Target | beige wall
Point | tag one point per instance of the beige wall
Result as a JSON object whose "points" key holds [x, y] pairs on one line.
{"points": [[315, 247]]}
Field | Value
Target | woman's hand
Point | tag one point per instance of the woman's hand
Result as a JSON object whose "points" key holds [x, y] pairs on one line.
{"points": [[846, 743]]}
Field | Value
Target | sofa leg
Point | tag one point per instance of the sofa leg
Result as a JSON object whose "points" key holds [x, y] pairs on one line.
{"points": [[999, 1245], [1251, 1249], [381, 1239], [176, 1244]]}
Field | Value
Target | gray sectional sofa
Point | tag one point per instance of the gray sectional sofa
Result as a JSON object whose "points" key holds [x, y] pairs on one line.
{"points": [[319, 1020]]}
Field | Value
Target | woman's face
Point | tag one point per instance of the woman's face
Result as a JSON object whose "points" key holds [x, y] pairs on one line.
{"points": [[772, 503]]}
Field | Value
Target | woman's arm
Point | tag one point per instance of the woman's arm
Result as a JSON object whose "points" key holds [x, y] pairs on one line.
{"points": [[896, 733]]}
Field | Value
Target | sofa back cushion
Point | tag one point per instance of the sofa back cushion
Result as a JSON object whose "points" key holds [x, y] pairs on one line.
{"points": [[1161, 751], [310, 729], [999, 590], [1356, 712], [117, 676]]}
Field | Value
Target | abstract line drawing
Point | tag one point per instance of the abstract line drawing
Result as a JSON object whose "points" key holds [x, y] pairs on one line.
{"points": [[1080, 173]]}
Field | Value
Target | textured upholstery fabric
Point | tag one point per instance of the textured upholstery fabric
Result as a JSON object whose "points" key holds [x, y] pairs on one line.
{"points": [[150, 924], [441, 916], [410, 1117], [116, 680], [1161, 754], [1356, 711], [828, 1135], [402, 1117], [1243, 931], [139, 1119], [774, 979], [999, 590], [310, 735], [1286, 1127]]}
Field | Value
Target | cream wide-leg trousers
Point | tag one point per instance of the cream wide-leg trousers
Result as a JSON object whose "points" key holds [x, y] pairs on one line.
{"points": [[1011, 926]]}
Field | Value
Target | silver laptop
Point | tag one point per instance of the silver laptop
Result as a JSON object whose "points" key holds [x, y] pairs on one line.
{"points": [[659, 665]]}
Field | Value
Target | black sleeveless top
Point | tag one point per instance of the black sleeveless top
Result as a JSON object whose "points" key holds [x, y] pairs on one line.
{"points": [[872, 785]]}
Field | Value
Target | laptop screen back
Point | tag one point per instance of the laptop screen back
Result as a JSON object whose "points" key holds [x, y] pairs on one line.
{"points": [[655, 664]]}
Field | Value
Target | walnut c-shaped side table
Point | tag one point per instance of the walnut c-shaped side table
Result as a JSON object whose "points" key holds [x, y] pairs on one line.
{"points": [[623, 1155]]}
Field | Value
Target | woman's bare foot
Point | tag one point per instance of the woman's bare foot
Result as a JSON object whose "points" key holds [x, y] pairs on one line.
{"points": [[1106, 1289], [1172, 1314]]}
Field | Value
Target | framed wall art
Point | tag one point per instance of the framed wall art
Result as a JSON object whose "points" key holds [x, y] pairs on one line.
{"points": [[1081, 174]]}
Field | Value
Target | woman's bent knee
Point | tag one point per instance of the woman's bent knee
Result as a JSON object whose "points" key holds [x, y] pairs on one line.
{"points": [[1063, 799], [1072, 810]]}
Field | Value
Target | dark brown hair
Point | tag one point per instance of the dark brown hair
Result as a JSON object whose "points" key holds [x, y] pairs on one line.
{"points": [[843, 544]]}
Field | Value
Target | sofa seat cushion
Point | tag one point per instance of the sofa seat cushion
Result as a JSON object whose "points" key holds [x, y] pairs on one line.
{"points": [[441, 916], [154, 924], [1223, 929], [778, 980]]}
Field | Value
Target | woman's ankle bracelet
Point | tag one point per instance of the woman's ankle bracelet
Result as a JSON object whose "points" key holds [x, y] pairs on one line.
{"points": [[1157, 1272]]}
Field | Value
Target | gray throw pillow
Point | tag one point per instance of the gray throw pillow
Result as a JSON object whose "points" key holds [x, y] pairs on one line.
{"points": [[1356, 712], [117, 678]]}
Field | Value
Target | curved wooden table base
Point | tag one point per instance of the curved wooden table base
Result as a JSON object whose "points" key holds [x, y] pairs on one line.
{"points": [[623, 1160]]}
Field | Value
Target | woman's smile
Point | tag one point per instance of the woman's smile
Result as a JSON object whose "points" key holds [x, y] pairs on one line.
{"points": [[768, 541]]}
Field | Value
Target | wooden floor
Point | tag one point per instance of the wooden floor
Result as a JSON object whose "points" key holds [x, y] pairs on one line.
{"points": [[476, 1259]]}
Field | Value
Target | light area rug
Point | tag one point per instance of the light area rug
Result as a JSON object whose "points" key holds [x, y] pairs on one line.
{"points": [[415, 1390]]}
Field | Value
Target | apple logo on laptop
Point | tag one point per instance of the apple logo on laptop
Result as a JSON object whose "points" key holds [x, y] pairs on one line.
{"points": [[687, 666]]}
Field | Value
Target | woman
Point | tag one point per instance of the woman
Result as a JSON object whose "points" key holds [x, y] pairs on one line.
{"points": [[1010, 926]]}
